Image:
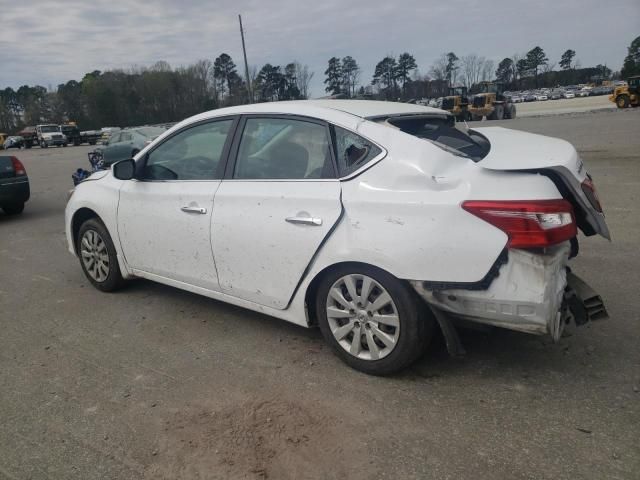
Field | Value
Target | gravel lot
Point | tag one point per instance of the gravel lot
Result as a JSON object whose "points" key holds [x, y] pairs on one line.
{"points": [[154, 382], [565, 105]]}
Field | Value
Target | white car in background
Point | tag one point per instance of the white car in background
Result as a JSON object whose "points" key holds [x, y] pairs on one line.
{"points": [[568, 94], [376, 221]]}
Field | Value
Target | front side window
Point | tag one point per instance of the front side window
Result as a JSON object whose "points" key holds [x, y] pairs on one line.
{"points": [[352, 151], [279, 148], [192, 154]]}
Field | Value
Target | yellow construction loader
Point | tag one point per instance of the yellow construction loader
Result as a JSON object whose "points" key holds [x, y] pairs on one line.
{"points": [[457, 103], [627, 95], [491, 103]]}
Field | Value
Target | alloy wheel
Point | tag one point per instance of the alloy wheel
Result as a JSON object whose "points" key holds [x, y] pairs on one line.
{"points": [[362, 317], [95, 256]]}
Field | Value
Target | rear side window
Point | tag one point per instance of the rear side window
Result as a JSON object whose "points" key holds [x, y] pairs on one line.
{"points": [[282, 148], [351, 150]]}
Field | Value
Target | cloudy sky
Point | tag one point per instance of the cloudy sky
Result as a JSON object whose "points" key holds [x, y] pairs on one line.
{"points": [[53, 41]]}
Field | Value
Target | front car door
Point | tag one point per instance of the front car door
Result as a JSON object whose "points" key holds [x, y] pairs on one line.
{"points": [[278, 201], [164, 215]]}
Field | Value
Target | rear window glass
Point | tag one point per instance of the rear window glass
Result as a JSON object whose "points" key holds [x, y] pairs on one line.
{"points": [[352, 151], [444, 132]]}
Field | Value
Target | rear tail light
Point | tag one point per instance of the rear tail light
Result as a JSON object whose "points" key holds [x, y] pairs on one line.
{"points": [[18, 167], [528, 224], [589, 189]]}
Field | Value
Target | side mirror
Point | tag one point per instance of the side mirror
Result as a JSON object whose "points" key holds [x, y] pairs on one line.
{"points": [[124, 169]]}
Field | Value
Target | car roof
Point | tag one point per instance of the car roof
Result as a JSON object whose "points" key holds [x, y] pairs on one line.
{"points": [[358, 108]]}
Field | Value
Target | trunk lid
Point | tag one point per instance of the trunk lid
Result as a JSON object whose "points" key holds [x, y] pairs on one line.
{"points": [[513, 150]]}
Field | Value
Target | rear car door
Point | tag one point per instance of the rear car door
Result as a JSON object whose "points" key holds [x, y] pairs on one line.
{"points": [[279, 200], [164, 215]]}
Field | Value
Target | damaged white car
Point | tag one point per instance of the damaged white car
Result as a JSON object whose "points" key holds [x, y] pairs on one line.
{"points": [[376, 221]]}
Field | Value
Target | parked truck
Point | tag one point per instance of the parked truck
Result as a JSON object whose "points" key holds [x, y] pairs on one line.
{"points": [[76, 137], [29, 135], [49, 135]]}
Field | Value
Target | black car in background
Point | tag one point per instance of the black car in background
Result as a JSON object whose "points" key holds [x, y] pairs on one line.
{"points": [[14, 185]]}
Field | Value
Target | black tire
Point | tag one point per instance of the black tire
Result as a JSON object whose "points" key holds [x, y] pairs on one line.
{"points": [[44, 145], [476, 118], [113, 280], [622, 101], [416, 322], [497, 114], [15, 209], [512, 111]]}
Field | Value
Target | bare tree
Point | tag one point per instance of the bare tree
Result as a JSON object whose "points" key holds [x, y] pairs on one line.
{"points": [[471, 69], [303, 79], [439, 68], [487, 69]]}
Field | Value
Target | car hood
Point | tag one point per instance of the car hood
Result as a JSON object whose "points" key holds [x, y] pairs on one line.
{"points": [[513, 150]]}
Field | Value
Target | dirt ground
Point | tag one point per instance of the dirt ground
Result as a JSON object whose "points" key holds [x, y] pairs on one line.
{"points": [[153, 382]]}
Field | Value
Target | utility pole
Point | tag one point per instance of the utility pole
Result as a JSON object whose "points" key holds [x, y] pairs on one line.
{"points": [[246, 65]]}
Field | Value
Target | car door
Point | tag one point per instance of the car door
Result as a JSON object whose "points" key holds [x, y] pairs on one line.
{"points": [[164, 214], [279, 200]]}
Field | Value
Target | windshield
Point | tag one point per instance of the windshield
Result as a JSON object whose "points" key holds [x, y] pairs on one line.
{"points": [[49, 128], [444, 132]]}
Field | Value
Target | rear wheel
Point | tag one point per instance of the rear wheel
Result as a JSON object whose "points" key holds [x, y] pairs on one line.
{"points": [[98, 256], [14, 209], [622, 101], [497, 114], [476, 118], [374, 322]]}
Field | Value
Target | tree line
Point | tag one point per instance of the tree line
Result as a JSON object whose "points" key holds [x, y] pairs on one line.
{"points": [[162, 94], [157, 94]]}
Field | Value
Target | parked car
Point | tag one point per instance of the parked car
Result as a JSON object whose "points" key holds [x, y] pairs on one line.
{"points": [[530, 97], [376, 221], [581, 93], [556, 94], [126, 143], [541, 97], [568, 94], [13, 142], [14, 185]]}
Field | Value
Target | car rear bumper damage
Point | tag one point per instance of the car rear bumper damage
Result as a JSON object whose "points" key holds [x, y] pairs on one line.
{"points": [[533, 293]]}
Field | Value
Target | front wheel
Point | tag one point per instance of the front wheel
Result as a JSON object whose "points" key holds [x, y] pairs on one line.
{"points": [[622, 101], [374, 322], [98, 256]]}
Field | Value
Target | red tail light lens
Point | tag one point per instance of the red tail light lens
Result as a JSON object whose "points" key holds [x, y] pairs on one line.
{"points": [[18, 167], [589, 189], [528, 224]]}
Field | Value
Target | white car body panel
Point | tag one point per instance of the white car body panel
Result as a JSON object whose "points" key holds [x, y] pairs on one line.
{"points": [[253, 242], [401, 213], [158, 237]]}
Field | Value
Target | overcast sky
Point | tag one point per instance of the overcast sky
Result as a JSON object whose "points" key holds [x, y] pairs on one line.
{"points": [[54, 41]]}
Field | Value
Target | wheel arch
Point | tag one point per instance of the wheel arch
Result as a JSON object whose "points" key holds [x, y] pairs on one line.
{"points": [[312, 288], [79, 217]]}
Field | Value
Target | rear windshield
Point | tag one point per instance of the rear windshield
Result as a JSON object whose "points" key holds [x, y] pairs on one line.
{"points": [[444, 132]]}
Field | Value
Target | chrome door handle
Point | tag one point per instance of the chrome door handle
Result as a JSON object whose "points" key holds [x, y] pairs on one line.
{"points": [[194, 210], [305, 220]]}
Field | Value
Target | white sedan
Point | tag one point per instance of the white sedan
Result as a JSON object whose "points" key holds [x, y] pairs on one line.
{"points": [[376, 221]]}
